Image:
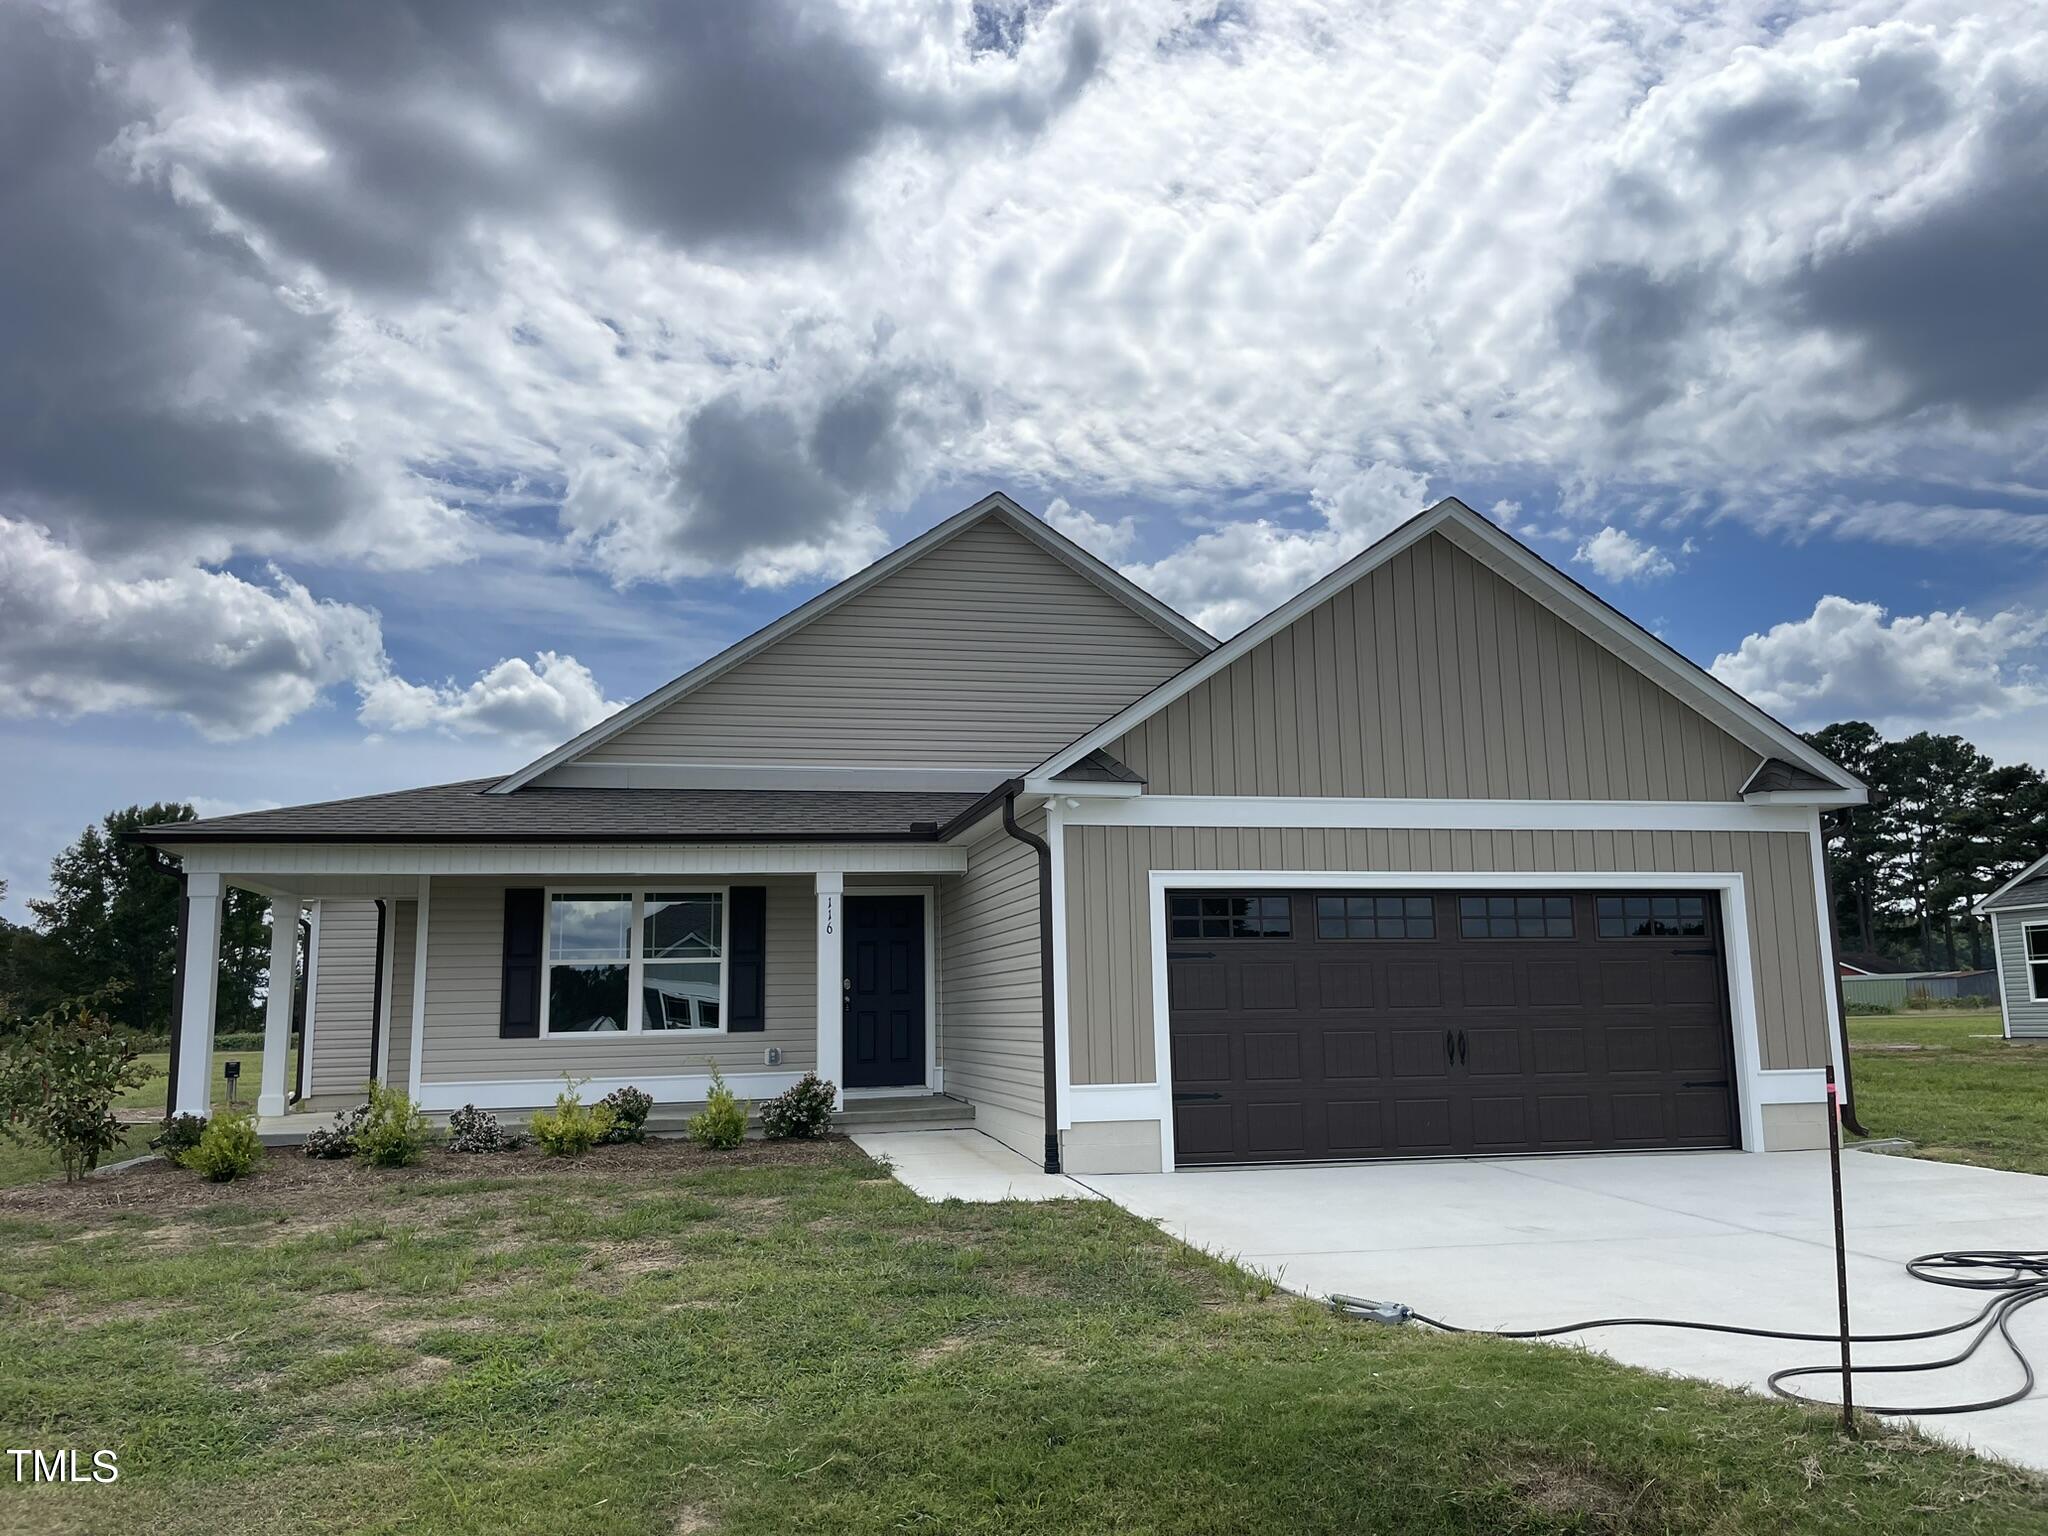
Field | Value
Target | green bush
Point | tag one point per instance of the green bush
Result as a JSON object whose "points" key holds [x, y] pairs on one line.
{"points": [[1862, 1009], [228, 1148], [803, 1111], [59, 1079], [629, 1107], [722, 1123], [572, 1127], [178, 1135], [393, 1133], [244, 1042], [1975, 1000], [339, 1139]]}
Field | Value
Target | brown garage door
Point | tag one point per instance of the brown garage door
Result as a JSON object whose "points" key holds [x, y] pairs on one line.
{"points": [[1360, 1024]]}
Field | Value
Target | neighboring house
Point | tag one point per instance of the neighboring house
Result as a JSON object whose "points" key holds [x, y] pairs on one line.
{"points": [[2018, 911], [1444, 856], [1869, 964]]}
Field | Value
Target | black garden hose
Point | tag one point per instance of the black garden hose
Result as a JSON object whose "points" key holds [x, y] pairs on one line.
{"points": [[2016, 1278]]}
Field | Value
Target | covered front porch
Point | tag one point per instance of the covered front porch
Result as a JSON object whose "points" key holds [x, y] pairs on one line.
{"points": [[488, 975]]}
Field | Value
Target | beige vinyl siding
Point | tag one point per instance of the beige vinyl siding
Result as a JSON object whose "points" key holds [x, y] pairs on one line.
{"points": [[1109, 986], [2024, 1018], [989, 976], [465, 976], [987, 652], [394, 1062], [1433, 677], [344, 998]]}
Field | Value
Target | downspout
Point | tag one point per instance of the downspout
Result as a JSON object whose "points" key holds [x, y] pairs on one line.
{"points": [[1827, 871], [1045, 998]]}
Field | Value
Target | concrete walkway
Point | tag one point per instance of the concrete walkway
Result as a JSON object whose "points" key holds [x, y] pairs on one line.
{"points": [[1719, 1237], [965, 1165]]}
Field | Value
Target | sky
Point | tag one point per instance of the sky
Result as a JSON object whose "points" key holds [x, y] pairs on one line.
{"points": [[390, 391]]}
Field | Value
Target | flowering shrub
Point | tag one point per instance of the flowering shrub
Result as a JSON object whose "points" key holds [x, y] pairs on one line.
{"points": [[339, 1139], [178, 1135], [629, 1107], [477, 1130], [803, 1111]]}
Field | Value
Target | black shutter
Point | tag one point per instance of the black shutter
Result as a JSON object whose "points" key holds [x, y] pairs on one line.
{"points": [[519, 1003], [746, 959]]}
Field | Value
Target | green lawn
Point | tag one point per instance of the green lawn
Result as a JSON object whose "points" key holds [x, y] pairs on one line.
{"points": [[784, 1339], [151, 1094], [1965, 1096]]}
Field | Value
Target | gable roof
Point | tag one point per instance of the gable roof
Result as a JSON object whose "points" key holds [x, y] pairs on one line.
{"points": [[995, 506], [2028, 888], [1601, 621]]}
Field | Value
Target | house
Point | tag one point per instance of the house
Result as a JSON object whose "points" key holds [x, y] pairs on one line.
{"points": [[1442, 857], [2018, 911]]}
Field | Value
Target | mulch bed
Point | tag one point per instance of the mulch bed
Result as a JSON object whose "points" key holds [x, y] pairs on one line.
{"points": [[304, 1182]]}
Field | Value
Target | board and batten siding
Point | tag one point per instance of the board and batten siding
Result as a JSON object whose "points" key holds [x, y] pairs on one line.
{"points": [[465, 978], [1434, 677], [1109, 980], [989, 975], [394, 1062], [344, 998], [987, 651], [2025, 1019]]}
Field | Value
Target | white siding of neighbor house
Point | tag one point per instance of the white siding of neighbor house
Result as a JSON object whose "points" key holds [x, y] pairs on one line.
{"points": [[1109, 990], [989, 969], [344, 997], [1433, 676], [465, 978], [2024, 1018], [985, 652]]}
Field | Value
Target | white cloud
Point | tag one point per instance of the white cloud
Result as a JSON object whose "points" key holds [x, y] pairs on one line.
{"points": [[233, 658], [549, 701], [1619, 556], [1226, 578], [1847, 661], [1104, 540]]}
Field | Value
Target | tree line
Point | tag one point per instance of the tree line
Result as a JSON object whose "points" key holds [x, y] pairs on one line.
{"points": [[111, 916], [1945, 826]]}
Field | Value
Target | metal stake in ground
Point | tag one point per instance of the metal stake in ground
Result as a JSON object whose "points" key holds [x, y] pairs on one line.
{"points": [[1841, 1255]]}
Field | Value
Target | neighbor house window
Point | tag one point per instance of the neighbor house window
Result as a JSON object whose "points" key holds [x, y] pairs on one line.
{"points": [[1515, 917], [1375, 917], [2036, 938], [1652, 917], [1229, 916], [620, 962]]}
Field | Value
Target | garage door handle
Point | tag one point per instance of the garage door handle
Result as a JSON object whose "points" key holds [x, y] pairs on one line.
{"points": [[1461, 1046], [1195, 1098], [1450, 1046], [1719, 1082], [1704, 949]]}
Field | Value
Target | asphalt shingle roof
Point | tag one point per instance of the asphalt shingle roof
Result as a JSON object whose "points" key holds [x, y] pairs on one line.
{"points": [[461, 812], [2028, 893]]}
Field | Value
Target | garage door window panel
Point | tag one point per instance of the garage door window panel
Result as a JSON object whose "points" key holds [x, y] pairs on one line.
{"points": [[1226, 915], [1645, 915], [1515, 917], [1375, 917]]}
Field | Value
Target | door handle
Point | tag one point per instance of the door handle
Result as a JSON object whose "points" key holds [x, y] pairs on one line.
{"points": [[1194, 1098], [1450, 1047], [1461, 1047]]}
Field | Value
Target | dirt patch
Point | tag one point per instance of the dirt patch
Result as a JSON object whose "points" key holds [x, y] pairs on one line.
{"points": [[320, 1194], [1559, 1490], [945, 1348], [690, 1520]]}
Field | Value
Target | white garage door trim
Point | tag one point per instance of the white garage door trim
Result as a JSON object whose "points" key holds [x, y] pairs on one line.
{"points": [[1755, 1087]]}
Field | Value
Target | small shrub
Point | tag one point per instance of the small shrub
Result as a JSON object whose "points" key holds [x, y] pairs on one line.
{"points": [[477, 1130], [1920, 1002], [59, 1079], [572, 1127], [1974, 1000], [803, 1111], [1861, 1010], [722, 1123], [227, 1149], [178, 1135], [339, 1139], [629, 1107], [393, 1133]]}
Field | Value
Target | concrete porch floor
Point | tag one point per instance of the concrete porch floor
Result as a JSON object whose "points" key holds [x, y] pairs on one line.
{"points": [[1720, 1237]]}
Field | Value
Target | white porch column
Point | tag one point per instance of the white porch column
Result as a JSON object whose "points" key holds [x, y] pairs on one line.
{"points": [[200, 984], [277, 1015], [831, 982]]}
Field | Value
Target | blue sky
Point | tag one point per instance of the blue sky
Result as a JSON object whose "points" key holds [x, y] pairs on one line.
{"points": [[388, 392]]}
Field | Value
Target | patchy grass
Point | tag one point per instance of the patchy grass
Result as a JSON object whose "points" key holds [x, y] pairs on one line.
{"points": [[1951, 1085], [658, 1339], [32, 1165]]}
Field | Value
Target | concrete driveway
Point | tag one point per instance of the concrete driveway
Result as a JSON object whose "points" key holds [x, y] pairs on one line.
{"points": [[1717, 1236]]}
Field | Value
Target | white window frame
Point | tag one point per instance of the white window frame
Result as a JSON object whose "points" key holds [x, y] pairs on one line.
{"points": [[2028, 962], [637, 892]]}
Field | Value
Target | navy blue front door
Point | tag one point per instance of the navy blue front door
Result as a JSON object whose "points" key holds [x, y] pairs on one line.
{"points": [[884, 991]]}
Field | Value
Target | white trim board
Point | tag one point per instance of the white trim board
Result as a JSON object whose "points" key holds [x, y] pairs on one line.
{"points": [[242, 862], [1513, 561], [1753, 1090], [1437, 815], [995, 505]]}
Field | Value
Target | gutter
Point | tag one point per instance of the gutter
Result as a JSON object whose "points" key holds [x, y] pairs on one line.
{"points": [[1045, 998]]}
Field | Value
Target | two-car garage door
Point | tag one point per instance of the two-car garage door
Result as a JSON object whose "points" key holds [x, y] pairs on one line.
{"points": [[1328, 1024]]}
